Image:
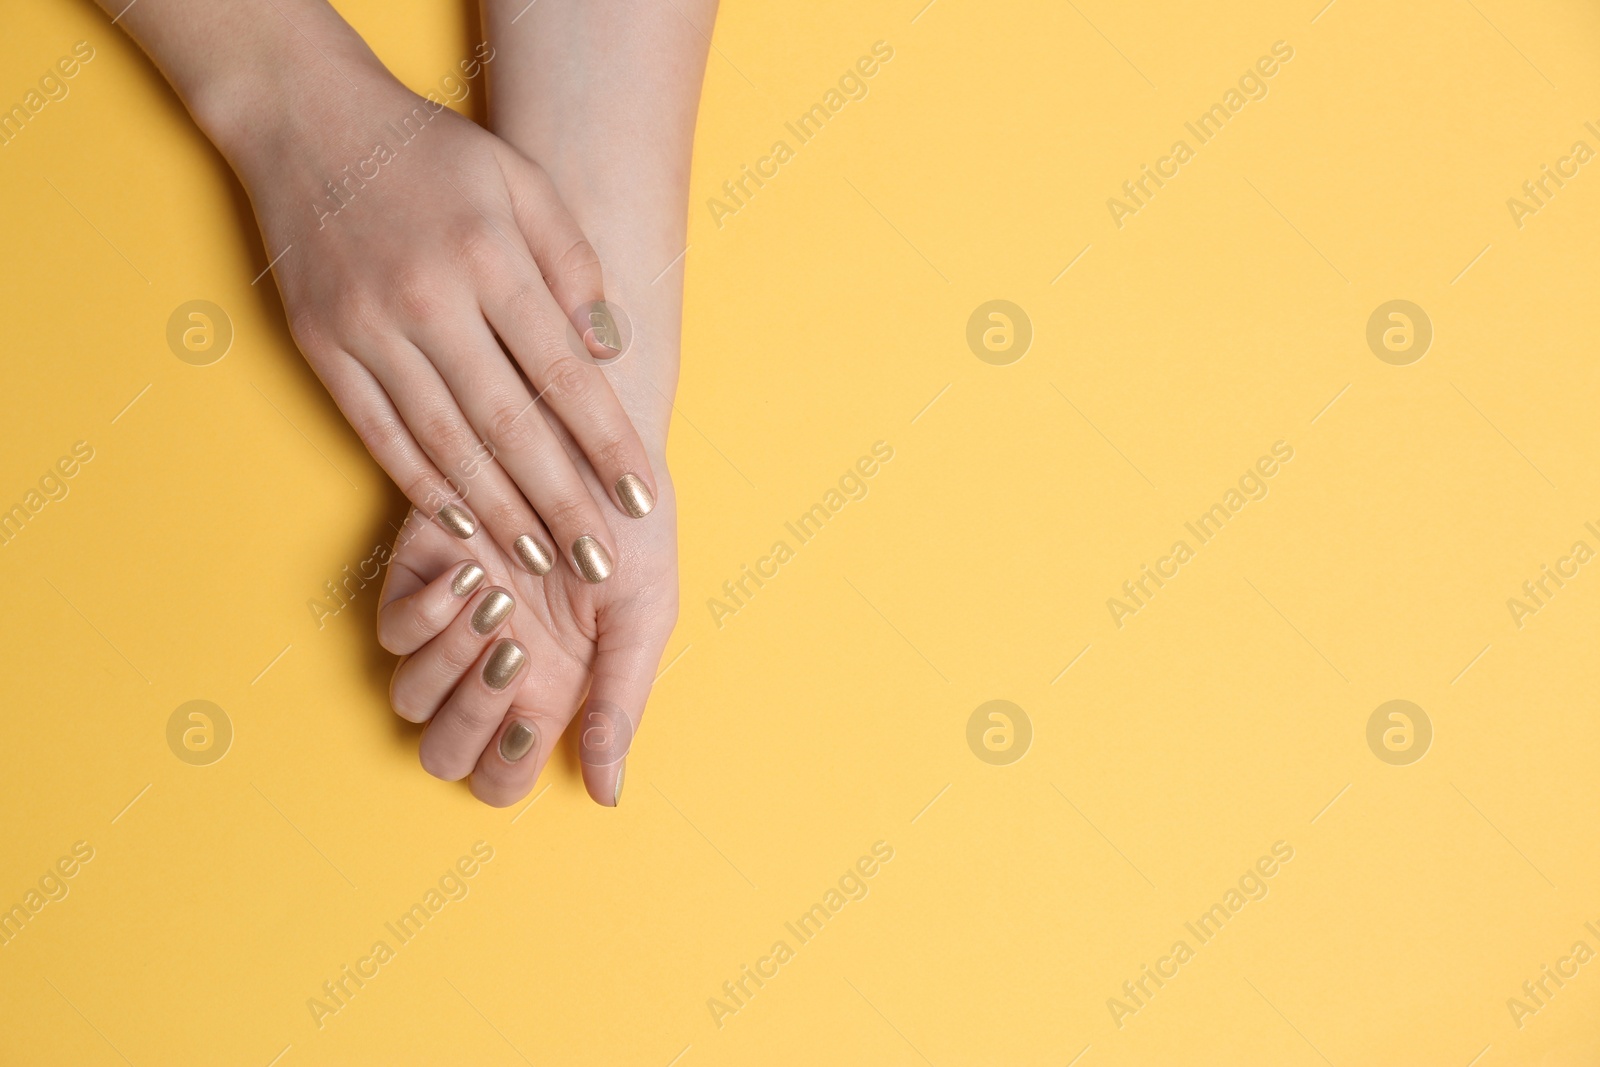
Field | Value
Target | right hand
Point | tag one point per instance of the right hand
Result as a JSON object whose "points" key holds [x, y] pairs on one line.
{"points": [[403, 279]]}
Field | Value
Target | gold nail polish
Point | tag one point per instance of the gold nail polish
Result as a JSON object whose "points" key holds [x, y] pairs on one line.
{"points": [[591, 559], [533, 555], [492, 612], [454, 518], [504, 663], [520, 738], [635, 496], [467, 579], [604, 326], [616, 797]]}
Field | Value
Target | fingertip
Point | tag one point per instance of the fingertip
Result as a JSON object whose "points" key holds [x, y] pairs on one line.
{"points": [[635, 495]]}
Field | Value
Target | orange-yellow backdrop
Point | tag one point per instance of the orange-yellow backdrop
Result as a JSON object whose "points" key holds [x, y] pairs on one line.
{"points": [[1151, 756]]}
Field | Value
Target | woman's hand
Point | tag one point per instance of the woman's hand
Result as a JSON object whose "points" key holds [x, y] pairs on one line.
{"points": [[498, 683], [410, 245]]}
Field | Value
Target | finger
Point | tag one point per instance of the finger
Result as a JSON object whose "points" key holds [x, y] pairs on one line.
{"points": [[518, 304], [456, 736], [609, 720], [367, 405], [565, 258], [421, 552], [517, 751], [423, 682], [498, 405], [580, 395], [410, 621], [514, 758], [425, 401]]}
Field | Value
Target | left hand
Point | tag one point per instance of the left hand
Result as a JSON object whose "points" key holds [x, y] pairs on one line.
{"points": [[563, 637]]}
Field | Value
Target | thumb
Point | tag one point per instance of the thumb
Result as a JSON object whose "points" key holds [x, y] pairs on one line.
{"points": [[565, 258], [609, 718]]}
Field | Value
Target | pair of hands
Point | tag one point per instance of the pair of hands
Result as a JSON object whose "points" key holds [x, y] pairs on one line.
{"points": [[539, 560]]}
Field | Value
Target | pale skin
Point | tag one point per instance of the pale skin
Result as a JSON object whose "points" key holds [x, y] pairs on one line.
{"points": [[403, 278], [594, 103], [617, 149]]}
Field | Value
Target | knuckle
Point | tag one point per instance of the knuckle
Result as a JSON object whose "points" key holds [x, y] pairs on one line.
{"points": [[567, 377], [511, 429], [310, 329], [612, 453], [415, 293], [402, 697], [570, 514], [383, 435], [507, 516], [579, 261], [481, 251], [447, 436], [388, 638], [453, 661], [426, 494], [438, 764]]}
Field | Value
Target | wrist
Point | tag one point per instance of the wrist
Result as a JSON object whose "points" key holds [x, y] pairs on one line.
{"points": [[278, 113]]}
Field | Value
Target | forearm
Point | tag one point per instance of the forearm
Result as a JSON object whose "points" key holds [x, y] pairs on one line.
{"points": [[255, 74], [603, 94]]}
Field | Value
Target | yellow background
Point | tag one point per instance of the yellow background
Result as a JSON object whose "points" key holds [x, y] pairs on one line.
{"points": [[832, 709]]}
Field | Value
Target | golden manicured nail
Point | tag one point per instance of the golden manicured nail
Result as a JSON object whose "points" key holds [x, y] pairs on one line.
{"points": [[454, 518], [635, 496], [604, 326], [492, 612], [504, 663], [519, 739], [532, 555], [616, 797], [467, 579], [591, 558]]}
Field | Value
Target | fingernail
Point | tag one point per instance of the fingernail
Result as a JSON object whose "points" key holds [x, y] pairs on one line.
{"points": [[492, 612], [454, 518], [504, 663], [533, 555], [604, 327], [591, 559], [616, 798], [467, 579], [519, 739], [635, 496]]}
